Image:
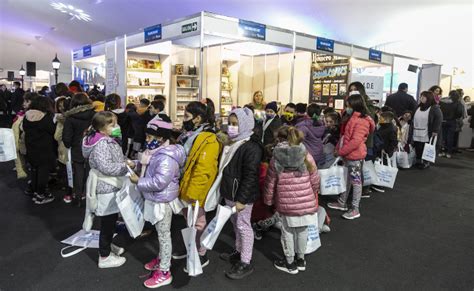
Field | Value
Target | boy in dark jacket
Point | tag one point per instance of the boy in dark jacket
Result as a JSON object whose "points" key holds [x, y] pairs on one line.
{"points": [[386, 135]]}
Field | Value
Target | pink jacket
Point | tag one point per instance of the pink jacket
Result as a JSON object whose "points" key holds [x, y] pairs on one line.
{"points": [[294, 193], [355, 134]]}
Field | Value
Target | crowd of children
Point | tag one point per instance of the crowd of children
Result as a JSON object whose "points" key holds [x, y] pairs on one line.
{"points": [[263, 163]]}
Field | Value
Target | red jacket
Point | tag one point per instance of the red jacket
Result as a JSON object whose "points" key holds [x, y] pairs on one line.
{"points": [[355, 134], [293, 193]]}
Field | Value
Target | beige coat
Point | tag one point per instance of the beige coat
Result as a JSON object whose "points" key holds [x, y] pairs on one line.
{"points": [[58, 136], [19, 143]]}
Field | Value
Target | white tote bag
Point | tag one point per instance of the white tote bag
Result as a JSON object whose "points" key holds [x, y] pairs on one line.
{"points": [[214, 228], [193, 263], [130, 203], [368, 171], [386, 174], [333, 179], [7, 145], [70, 182], [403, 160], [83, 240], [313, 241], [429, 152]]}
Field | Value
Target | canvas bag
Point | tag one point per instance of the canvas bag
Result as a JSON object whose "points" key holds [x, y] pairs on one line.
{"points": [[313, 241], [369, 175], [82, 239], [386, 174], [70, 182], [429, 152], [131, 204], [214, 228], [333, 179], [402, 158], [193, 263], [7, 145]]}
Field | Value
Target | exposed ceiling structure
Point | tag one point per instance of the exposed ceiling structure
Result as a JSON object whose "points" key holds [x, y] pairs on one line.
{"points": [[33, 30]]}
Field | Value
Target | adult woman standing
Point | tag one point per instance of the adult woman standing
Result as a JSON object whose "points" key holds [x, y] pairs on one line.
{"points": [[258, 102], [437, 92], [78, 119], [426, 124]]}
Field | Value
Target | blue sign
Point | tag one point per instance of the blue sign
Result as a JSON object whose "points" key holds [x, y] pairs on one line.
{"points": [[87, 51], [75, 55], [375, 55], [252, 29], [152, 33], [324, 44]]}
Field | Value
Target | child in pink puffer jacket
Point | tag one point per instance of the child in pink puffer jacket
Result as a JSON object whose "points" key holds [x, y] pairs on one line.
{"points": [[292, 184]]}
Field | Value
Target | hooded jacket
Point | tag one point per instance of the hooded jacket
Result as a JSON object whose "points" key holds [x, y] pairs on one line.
{"points": [[289, 185], [357, 129], [451, 110], [58, 136], [39, 137], [105, 155], [161, 180], [313, 137], [272, 128], [78, 119], [386, 139]]}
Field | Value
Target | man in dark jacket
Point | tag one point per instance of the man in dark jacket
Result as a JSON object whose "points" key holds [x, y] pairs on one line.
{"points": [[17, 98], [401, 101], [452, 110], [4, 106]]}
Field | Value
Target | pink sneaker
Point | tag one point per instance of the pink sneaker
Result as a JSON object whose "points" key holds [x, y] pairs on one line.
{"points": [[153, 264], [158, 279]]}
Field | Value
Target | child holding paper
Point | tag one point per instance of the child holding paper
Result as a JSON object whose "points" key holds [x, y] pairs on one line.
{"points": [[160, 166], [239, 166], [353, 149], [292, 184]]}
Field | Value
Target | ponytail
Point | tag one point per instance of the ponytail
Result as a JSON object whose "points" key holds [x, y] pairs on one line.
{"points": [[99, 122], [205, 111]]}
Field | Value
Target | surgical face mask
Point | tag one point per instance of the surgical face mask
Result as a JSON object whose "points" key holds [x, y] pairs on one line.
{"points": [[233, 131], [270, 115], [349, 110], [116, 132], [152, 144]]}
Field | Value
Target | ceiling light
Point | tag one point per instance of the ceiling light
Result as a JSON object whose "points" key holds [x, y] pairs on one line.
{"points": [[75, 13]]}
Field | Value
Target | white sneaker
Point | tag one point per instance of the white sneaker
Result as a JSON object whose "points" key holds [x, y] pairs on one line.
{"points": [[117, 250], [325, 228], [112, 261]]}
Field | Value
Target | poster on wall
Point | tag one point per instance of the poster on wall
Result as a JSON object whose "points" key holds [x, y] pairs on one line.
{"points": [[110, 76], [373, 85], [329, 76]]}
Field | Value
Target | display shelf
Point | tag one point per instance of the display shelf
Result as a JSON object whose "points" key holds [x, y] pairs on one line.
{"points": [[145, 70], [226, 103], [188, 88], [154, 87], [188, 76], [186, 101]]}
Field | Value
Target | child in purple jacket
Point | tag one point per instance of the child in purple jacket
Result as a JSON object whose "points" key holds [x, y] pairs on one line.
{"points": [[159, 166]]}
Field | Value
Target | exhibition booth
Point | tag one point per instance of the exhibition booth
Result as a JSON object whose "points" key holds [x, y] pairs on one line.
{"points": [[227, 59]]}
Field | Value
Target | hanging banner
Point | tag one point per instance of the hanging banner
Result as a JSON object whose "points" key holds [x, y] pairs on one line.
{"points": [[373, 85], [375, 55], [152, 33], [87, 51], [252, 29], [324, 44], [329, 76]]}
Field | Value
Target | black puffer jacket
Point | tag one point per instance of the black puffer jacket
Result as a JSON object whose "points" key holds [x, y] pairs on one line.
{"points": [[269, 133], [39, 131], [241, 176], [77, 121]]}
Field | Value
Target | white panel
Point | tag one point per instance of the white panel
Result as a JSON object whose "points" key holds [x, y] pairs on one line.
{"points": [[258, 82], [220, 26], [135, 40], [110, 67], [120, 62], [305, 42], [360, 53], [271, 78], [302, 77], [279, 37], [344, 50], [430, 76], [285, 75], [213, 75], [245, 81], [387, 58]]}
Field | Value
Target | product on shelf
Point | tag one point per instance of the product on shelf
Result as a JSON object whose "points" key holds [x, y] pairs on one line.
{"points": [[134, 63], [179, 69], [192, 70]]}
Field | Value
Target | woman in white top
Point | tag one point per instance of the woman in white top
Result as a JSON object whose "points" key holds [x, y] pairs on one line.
{"points": [[426, 124]]}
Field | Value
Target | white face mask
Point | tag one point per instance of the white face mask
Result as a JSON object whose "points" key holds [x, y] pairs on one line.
{"points": [[232, 131]]}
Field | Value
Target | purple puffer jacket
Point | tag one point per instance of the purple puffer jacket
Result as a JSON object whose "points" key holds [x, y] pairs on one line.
{"points": [[313, 137], [293, 189], [161, 180]]}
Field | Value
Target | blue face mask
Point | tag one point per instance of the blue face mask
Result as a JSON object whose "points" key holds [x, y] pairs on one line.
{"points": [[154, 144], [349, 110]]}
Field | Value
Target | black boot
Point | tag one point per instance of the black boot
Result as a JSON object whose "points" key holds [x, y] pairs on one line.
{"points": [[239, 271]]}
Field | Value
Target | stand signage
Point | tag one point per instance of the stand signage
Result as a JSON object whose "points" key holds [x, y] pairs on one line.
{"points": [[152, 33], [375, 55], [252, 29], [324, 44], [190, 27], [87, 51]]}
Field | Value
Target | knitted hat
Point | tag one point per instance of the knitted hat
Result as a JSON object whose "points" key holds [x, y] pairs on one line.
{"points": [[158, 127], [273, 106]]}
